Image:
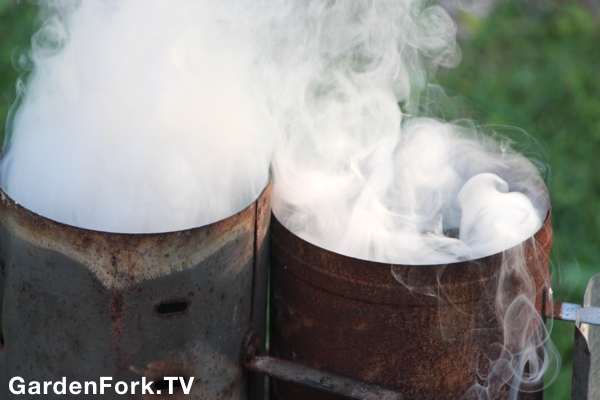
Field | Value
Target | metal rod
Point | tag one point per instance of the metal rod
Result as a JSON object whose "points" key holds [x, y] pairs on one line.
{"points": [[316, 379], [576, 313], [296, 373]]}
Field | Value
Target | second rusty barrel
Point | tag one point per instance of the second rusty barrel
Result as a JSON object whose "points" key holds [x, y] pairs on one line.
{"points": [[427, 331]]}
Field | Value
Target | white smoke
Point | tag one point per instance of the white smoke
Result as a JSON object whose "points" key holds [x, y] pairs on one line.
{"points": [[355, 173], [139, 116]]}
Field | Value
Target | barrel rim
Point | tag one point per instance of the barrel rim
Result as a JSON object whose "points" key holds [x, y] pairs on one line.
{"points": [[539, 236], [9, 202]]}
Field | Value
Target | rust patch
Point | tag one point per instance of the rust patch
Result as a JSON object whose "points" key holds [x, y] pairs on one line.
{"points": [[121, 260]]}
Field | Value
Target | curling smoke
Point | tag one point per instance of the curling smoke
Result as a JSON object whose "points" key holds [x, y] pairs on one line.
{"points": [[357, 175], [359, 172], [139, 116]]}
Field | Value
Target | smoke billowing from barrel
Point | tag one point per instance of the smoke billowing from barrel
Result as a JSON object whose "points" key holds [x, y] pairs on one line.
{"points": [[357, 171], [357, 175], [139, 116]]}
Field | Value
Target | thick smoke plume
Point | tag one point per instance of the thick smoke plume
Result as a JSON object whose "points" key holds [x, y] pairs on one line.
{"points": [[139, 116]]}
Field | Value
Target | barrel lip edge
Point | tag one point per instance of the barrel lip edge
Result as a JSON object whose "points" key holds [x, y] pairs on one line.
{"points": [[8, 202], [543, 236]]}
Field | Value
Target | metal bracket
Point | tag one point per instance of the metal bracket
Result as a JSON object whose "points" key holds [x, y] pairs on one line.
{"points": [[576, 313]]}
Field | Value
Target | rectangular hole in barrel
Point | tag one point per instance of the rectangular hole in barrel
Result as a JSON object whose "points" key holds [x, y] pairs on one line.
{"points": [[172, 307]]}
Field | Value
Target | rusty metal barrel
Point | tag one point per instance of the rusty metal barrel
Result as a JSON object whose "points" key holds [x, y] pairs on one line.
{"points": [[84, 304], [422, 331]]}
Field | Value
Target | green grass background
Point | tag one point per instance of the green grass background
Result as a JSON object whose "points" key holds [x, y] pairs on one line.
{"points": [[534, 65]]}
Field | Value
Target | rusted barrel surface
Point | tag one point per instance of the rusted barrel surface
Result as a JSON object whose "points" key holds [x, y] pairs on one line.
{"points": [[83, 304], [419, 329]]}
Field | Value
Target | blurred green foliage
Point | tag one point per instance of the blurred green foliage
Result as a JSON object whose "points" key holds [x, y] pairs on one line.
{"points": [[535, 65], [17, 22]]}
